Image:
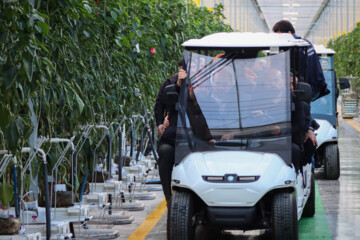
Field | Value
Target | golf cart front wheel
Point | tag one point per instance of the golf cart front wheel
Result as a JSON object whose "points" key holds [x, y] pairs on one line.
{"points": [[331, 162], [284, 217], [181, 217]]}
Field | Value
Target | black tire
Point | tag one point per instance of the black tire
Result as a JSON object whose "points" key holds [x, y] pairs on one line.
{"points": [[309, 209], [284, 217], [181, 217], [331, 162]]}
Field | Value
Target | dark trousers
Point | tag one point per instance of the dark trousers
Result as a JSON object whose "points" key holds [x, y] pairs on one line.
{"points": [[166, 154], [309, 150], [296, 156], [302, 157]]}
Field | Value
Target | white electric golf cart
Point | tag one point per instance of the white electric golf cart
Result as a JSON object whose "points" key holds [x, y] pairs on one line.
{"points": [[233, 165], [324, 110]]}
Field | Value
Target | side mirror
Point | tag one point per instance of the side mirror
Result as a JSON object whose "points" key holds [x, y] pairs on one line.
{"points": [[303, 92], [172, 94], [344, 83]]}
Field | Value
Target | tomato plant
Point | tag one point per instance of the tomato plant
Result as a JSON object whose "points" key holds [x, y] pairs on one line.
{"points": [[347, 57], [79, 61]]}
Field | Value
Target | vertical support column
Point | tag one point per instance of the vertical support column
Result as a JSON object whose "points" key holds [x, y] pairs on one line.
{"points": [[110, 206], [334, 20], [354, 12], [235, 17], [347, 16], [120, 155], [341, 17], [47, 201], [337, 18], [72, 174], [109, 162], [329, 22], [239, 17], [16, 197], [230, 11]]}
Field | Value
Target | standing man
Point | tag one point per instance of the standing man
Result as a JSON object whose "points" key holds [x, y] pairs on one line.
{"points": [[315, 74], [166, 122], [316, 80]]}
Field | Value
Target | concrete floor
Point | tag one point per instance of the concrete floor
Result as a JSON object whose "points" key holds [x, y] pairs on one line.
{"points": [[341, 198], [337, 207]]}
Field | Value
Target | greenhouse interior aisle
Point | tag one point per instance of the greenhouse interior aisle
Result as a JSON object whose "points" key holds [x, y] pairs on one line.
{"points": [[78, 85], [341, 198], [337, 203]]}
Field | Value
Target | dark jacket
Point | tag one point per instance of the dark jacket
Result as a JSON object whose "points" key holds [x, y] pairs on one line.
{"points": [[300, 122], [165, 104], [199, 126], [315, 74], [162, 107]]}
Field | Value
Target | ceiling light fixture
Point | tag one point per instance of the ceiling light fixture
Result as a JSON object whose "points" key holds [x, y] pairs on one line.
{"points": [[291, 5], [290, 13]]}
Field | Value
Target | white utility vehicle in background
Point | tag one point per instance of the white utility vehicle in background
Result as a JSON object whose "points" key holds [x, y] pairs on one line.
{"points": [[324, 110]]}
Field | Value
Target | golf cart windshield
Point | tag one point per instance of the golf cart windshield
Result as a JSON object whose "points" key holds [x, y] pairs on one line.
{"points": [[235, 101], [324, 107]]}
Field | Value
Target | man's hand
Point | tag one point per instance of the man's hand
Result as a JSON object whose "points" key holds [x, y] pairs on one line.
{"points": [[182, 75], [161, 129], [166, 120], [310, 135]]}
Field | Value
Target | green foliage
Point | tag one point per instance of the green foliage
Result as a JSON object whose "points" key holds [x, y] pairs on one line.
{"points": [[6, 193], [347, 57], [78, 62]]}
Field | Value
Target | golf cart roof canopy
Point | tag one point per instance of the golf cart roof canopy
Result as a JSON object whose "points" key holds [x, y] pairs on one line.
{"points": [[246, 40], [321, 49]]}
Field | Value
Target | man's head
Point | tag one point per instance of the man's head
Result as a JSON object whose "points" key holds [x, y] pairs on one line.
{"points": [[284, 26]]}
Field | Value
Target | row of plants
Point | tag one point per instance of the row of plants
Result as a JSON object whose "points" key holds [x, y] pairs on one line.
{"points": [[347, 57], [86, 62]]}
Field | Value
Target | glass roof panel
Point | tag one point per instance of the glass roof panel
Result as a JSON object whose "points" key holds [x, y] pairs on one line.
{"points": [[301, 13]]}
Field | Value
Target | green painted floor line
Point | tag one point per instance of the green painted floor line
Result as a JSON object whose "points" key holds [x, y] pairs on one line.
{"points": [[315, 227]]}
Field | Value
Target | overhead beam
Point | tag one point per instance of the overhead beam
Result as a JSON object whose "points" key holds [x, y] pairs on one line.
{"points": [[259, 11], [317, 17]]}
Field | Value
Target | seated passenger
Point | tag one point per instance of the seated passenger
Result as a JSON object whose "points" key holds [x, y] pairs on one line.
{"points": [[300, 122]]}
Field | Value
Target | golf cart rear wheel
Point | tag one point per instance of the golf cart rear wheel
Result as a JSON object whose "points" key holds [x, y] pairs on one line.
{"points": [[309, 209], [284, 217], [331, 162], [181, 216]]}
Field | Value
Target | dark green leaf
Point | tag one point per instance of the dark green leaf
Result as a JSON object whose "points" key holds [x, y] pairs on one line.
{"points": [[28, 68], [4, 37], [5, 117], [113, 15], [79, 103], [43, 27], [9, 74], [125, 42], [12, 135], [6, 193], [20, 125]]}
